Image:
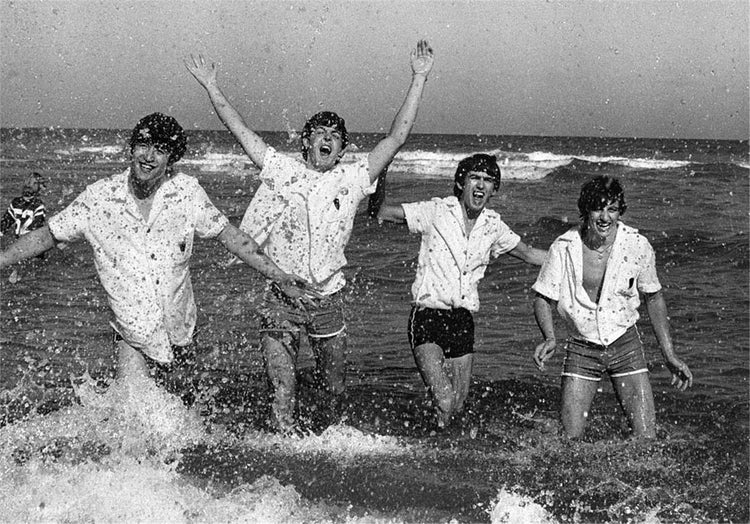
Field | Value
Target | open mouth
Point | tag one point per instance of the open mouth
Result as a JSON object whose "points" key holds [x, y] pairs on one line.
{"points": [[478, 195], [325, 150]]}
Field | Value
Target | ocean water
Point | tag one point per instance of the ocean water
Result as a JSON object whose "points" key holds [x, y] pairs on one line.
{"points": [[76, 446]]}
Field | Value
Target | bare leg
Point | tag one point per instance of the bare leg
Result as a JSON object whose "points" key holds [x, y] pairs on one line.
{"points": [[637, 401], [330, 376], [577, 395], [429, 359], [130, 362], [460, 375], [330, 362], [280, 356]]}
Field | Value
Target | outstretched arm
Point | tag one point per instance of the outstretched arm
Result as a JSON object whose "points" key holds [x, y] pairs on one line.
{"points": [[543, 314], [251, 142], [682, 377], [241, 244], [383, 153], [377, 206], [29, 245], [528, 254]]}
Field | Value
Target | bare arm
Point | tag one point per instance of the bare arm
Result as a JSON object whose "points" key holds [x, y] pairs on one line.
{"points": [[29, 245], [528, 254], [241, 244], [251, 142], [378, 207], [682, 377], [383, 153], [543, 314]]}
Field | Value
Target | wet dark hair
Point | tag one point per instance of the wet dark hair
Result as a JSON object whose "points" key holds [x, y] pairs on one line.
{"points": [[478, 162], [324, 118], [162, 130], [598, 192]]}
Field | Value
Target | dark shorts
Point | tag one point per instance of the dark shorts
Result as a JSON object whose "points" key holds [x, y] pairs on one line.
{"points": [[590, 361], [451, 329], [323, 318]]}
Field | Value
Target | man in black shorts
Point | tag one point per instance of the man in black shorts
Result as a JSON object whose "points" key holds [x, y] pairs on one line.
{"points": [[459, 237]]}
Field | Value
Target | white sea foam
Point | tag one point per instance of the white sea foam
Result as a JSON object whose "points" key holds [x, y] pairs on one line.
{"points": [[510, 508], [113, 458]]}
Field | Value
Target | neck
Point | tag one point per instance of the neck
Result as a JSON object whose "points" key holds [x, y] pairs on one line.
{"points": [[145, 189], [596, 242]]}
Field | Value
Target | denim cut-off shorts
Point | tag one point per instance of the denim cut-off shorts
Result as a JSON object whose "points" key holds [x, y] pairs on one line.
{"points": [[321, 318], [590, 361]]}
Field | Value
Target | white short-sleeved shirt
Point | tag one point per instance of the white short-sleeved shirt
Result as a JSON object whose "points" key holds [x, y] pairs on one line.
{"points": [[631, 270], [451, 263], [302, 218], [143, 266]]}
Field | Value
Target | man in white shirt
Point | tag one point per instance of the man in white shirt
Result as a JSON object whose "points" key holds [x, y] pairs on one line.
{"points": [[302, 216], [459, 237], [594, 275], [141, 224]]}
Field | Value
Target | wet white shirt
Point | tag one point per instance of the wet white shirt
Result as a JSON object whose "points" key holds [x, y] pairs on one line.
{"points": [[302, 219], [144, 266], [631, 270], [451, 263]]}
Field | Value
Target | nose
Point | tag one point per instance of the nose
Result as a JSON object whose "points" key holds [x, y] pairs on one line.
{"points": [[148, 152]]}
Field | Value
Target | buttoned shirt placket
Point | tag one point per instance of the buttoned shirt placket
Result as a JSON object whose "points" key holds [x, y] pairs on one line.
{"points": [[150, 256]]}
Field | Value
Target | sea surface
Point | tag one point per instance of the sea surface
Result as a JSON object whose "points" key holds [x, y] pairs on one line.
{"points": [[77, 446]]}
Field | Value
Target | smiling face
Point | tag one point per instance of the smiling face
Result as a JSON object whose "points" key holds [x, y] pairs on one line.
{"points": [[149, 167], [324, 146], [602, 223], [476, 190]]}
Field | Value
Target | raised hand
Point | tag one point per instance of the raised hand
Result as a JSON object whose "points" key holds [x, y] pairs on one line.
{"points": [[421, 58], [204, 73]]}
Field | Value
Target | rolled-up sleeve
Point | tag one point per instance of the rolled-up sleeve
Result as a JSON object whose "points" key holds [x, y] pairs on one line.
{"points": [[71, 223], [551, 273]]}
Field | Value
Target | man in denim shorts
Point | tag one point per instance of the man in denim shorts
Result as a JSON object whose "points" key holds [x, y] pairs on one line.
{"points": [[594, 275], [302, 215]]}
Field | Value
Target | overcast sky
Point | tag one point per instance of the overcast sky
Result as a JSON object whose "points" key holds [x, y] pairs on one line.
{"points": [[534, 67]]}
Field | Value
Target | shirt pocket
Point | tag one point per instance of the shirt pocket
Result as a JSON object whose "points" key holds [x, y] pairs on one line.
{"points": [[627, 281]]}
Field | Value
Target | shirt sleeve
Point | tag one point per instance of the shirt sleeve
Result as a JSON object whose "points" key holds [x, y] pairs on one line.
{"points": [[648, 280], [551, 273], [418, 215], [506, 240], [279, 170], [209, 221], [364, 184], [72, 222]]}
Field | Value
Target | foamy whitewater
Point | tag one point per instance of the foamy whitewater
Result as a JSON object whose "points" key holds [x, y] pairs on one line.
{"points": [[78, 446]]}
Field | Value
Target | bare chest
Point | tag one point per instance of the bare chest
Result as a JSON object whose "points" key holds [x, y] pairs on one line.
{"points": [[594, 268]]}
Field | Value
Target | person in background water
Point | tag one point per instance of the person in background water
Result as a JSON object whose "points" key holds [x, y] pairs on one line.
{"points": [[141, 224], [594, 276], [26, 212], [302, 215], [459, 238]]}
